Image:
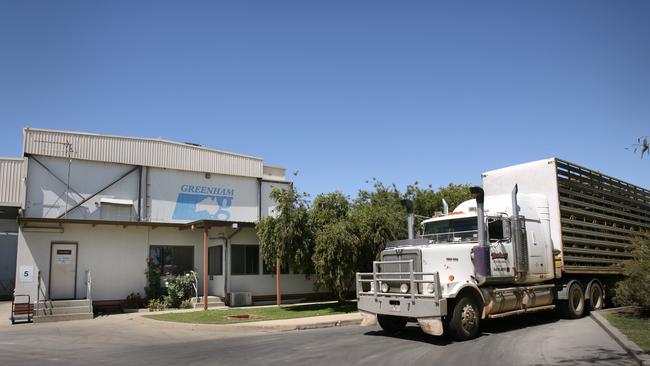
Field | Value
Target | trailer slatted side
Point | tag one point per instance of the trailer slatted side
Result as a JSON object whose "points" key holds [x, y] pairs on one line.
{"points": [[599, 215]]}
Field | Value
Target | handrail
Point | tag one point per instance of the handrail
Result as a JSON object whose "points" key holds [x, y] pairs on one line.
{"points": [[89, 285], [39, 292], [195, 286]]}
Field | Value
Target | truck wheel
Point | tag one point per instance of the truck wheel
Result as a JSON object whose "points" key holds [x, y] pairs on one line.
{"points": [[574, 306], [596, 296], [464, 321], [391, 324]]}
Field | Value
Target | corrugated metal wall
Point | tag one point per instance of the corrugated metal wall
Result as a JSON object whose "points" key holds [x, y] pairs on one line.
{"points": [[12, 186], [139, 151]]}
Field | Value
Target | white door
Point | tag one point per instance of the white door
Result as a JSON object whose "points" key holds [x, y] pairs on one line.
{"points": [[63, 271]]}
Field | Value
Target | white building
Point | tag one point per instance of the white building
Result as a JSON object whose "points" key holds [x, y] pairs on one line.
{"points": [[103, 204]]}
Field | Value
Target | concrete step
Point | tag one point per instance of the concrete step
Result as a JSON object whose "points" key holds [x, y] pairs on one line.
{"points": [[64, 310], [64, 303], [213, 302], [210, 305], [62, 317]]}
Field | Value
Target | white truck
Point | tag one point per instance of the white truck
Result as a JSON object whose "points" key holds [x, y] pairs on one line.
{"points": [[538, 236]]}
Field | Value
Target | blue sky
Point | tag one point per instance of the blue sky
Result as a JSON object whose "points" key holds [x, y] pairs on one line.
{"points": [[342, 91]]}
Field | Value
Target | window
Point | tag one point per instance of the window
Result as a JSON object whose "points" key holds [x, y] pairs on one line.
{"points": [[173, 259], [245, 259], [498, 228], [215, 261], [452, 230]]}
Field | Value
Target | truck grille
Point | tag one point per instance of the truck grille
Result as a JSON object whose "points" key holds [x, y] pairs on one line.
{"points": [[394, 281]]}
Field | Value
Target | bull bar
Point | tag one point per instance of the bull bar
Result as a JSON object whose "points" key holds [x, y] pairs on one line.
{"points": [[412, 304]]}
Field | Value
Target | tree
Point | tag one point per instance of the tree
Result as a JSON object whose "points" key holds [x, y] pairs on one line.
{"points": [[329, 208], [426, 202], [375, 224], [348, 237], [335, 258], [287, 238], [635, 288]]}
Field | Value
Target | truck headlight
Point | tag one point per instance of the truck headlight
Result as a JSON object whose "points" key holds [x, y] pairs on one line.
{"points": [[404, 288], [372, 286], [384, 287], [430, 288]]}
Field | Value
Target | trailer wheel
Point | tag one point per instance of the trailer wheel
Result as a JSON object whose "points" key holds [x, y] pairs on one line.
{"points": [[574, 306], [391, 324], [465, 319], [596, 296]]}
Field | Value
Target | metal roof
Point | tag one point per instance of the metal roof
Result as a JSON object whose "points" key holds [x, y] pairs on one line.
{"points": [[152, 152], [12, 183]]}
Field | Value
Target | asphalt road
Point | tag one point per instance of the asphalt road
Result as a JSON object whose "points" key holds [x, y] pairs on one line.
{"points": [[530, 340]]}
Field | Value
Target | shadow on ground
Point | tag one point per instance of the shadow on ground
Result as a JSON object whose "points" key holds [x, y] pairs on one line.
{"points": [[599, 356], [488, 326], [340, 307]]}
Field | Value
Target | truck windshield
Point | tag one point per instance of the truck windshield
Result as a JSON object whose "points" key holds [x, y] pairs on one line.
{"points": [[451, 231]]}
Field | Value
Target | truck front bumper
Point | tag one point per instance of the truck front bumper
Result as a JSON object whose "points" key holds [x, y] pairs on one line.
{"points": [[428, 309], [427, 312], [403, 306]]}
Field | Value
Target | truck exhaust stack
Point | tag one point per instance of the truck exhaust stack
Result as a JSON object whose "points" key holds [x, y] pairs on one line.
{"points": [[519, 247], [411, 217], [481, 253]]}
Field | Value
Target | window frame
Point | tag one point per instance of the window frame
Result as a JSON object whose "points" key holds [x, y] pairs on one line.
{"points": [[219, 262], [160, 260], [257, 262]]}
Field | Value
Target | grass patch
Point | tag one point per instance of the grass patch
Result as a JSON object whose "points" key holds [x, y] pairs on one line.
{"points": [[636, 328], [267, 313]]}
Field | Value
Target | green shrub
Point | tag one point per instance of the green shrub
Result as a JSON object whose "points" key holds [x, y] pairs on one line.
{"points": [[635, 288], [156, 305], [153, 272], [179, 289]]}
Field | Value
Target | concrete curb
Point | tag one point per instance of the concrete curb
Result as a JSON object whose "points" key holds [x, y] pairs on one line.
{"points": [[630, 347], [299, 323], [340, 323], [278, 325]]}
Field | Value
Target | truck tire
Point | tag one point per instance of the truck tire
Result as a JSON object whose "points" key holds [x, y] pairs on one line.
{"points": [[596, 296], [391, 324], [465, 319], [574, 306]]}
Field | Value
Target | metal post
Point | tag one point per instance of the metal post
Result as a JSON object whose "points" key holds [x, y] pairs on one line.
{"points": [[374, 279], [412, 281], [38, 293], [205, 266], [278, 299], [438, 287]]}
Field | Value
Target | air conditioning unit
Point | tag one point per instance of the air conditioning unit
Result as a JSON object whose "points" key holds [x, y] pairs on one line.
{"points": [[241, 298]]}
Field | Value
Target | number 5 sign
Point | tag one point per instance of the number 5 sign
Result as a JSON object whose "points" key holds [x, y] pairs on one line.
{"points": [[26, 274]]}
